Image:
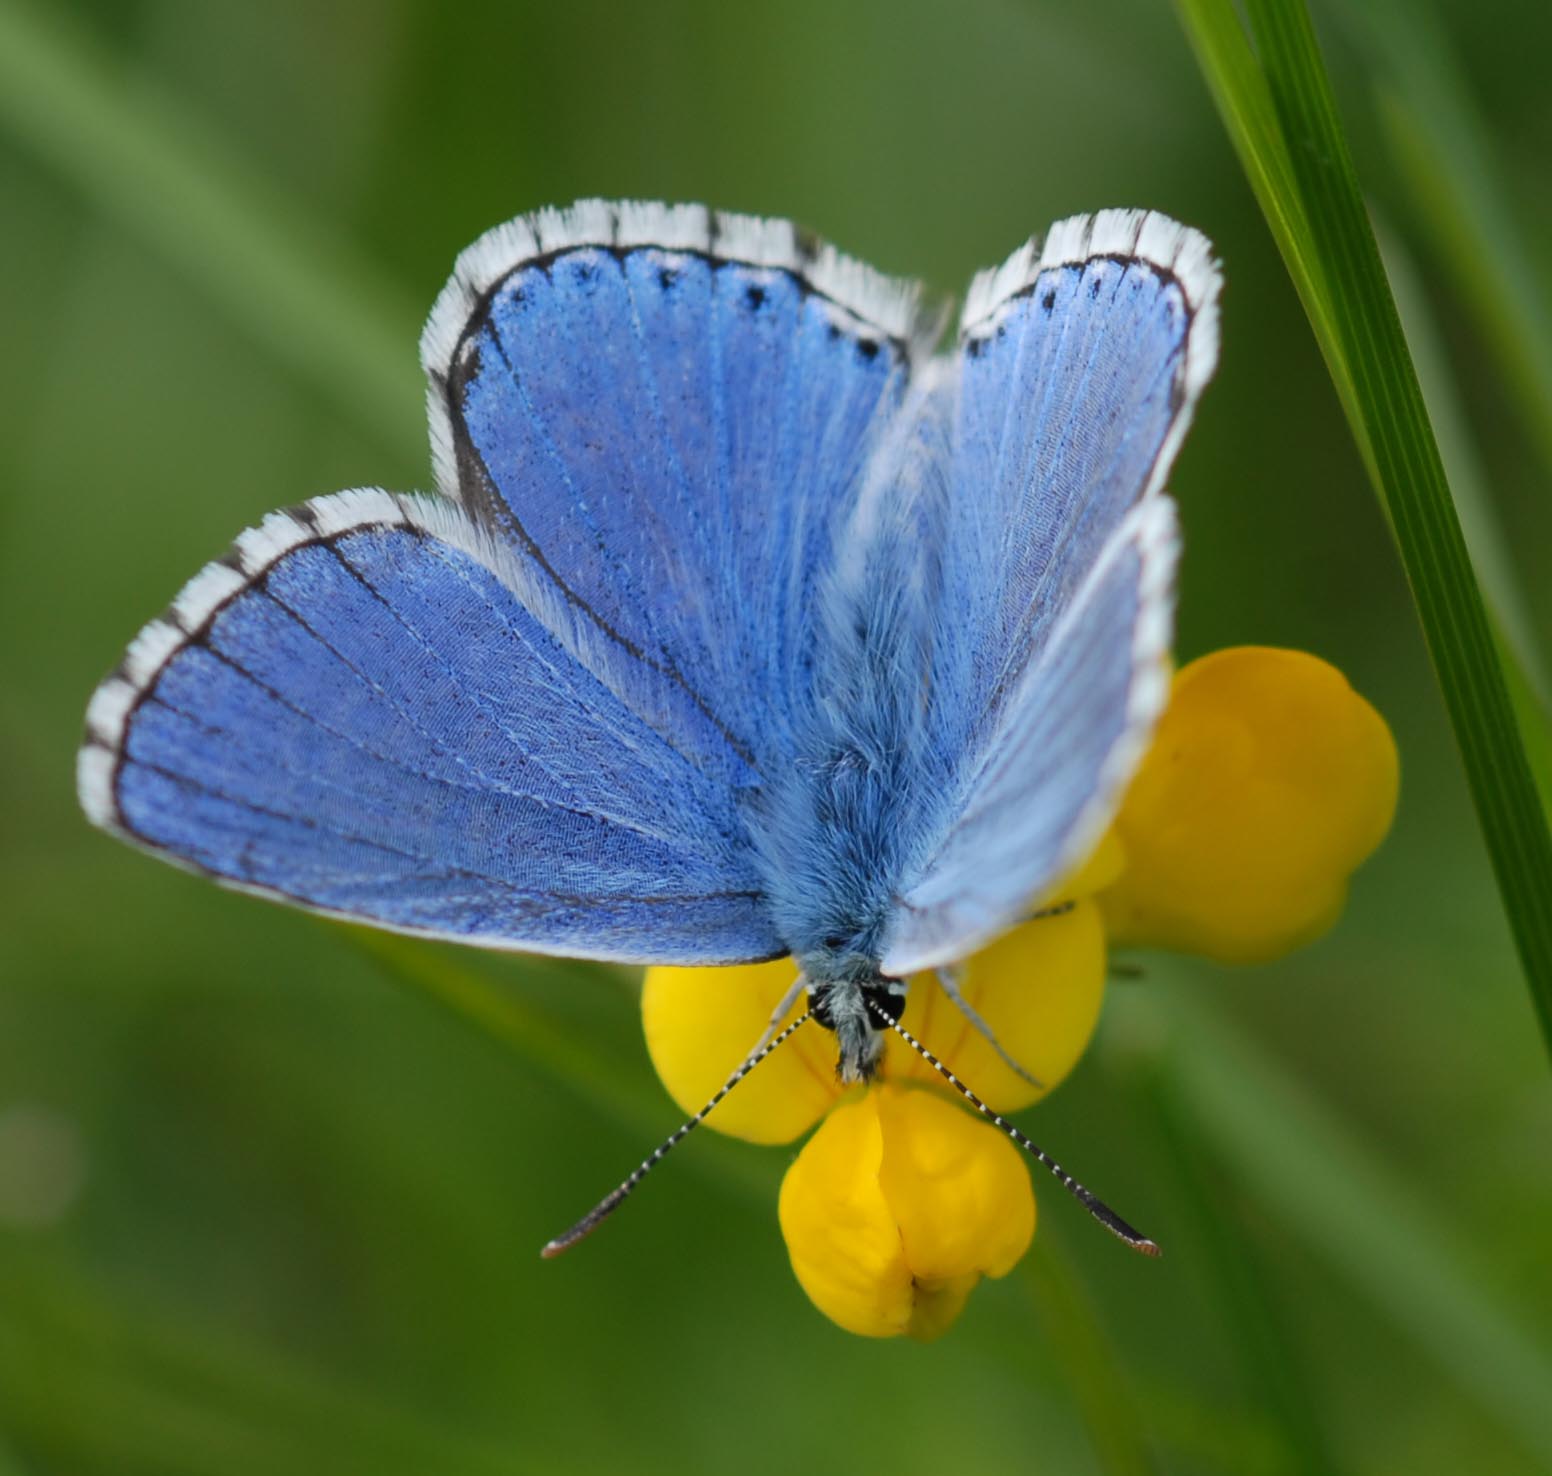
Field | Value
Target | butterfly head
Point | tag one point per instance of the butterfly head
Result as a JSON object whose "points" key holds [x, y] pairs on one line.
{"points": [[852, 1007]]}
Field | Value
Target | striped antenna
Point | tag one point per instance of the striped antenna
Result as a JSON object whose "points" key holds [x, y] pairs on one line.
{"points": [[1090, 1201], [612, 1201]]}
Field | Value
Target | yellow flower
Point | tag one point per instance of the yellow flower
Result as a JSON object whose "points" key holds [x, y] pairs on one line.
{"points": [[902, 1200], [898, 1206], [1269, 780]]}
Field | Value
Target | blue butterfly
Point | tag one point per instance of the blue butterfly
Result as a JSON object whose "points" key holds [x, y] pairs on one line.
{"points": [[741, 626]]}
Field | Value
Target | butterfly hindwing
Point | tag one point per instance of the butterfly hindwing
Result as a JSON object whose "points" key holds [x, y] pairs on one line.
{"points": [[354, 712], [1070, 735]]}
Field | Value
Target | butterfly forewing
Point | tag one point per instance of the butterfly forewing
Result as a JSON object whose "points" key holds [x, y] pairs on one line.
{"points": [[664, 414]]}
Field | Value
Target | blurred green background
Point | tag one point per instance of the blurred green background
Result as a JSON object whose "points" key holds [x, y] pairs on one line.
{"points": [[270, 1199]]}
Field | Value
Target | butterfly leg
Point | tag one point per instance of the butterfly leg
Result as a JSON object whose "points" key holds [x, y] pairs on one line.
{"points": [[949, 981], [789, 999], [1056, 909]]}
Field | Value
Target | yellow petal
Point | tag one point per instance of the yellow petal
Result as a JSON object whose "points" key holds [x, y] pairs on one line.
{"points": [[700, 1025], [1268, 782], [1039, 987], [1105, 863], [897, 1207]]}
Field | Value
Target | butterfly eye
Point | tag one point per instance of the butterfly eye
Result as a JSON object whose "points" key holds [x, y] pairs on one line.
{"points": [[819, 1008], [886, 997]]}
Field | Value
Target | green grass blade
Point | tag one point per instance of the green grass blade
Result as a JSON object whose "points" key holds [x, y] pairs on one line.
{"points": [[513, 1022], [1486, 539], [1520, 649], [1223, 52], [1276, 101], [1535, 722]]}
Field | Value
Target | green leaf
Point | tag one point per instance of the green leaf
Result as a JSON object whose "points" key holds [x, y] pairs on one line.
{"points": [[1491, 555], [1276, 102]]}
